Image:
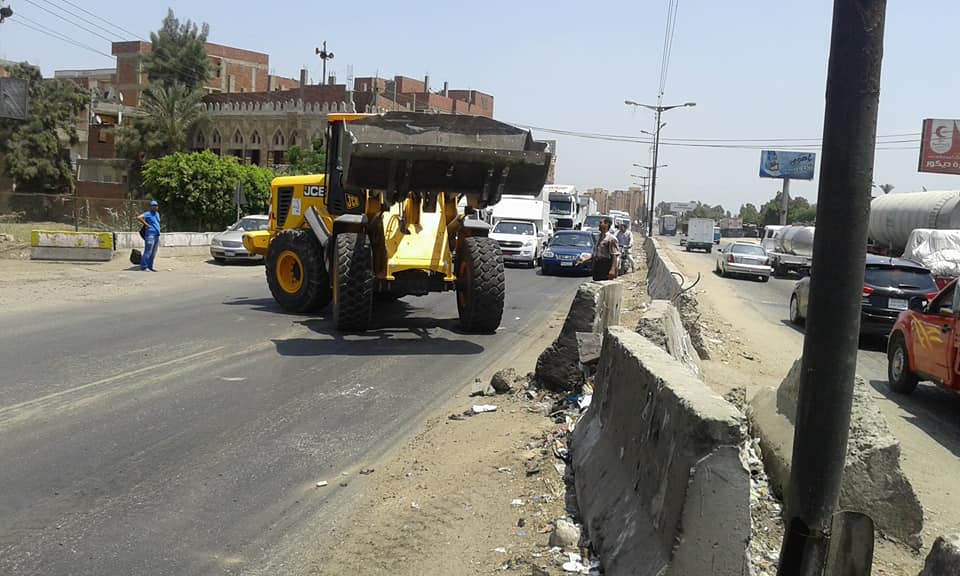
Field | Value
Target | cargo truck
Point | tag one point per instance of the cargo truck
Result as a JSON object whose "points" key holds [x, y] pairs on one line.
{"points": [[700, 234], [790, 248]]}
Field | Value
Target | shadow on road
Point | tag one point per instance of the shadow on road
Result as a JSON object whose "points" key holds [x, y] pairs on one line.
{"points": [[395, 332], [866, 343], [260, 305], [932, 409]]}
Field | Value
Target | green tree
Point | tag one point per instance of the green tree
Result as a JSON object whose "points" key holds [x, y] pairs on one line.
{"points": [[312, 160], [33, 151], [197, 190], [799, 210], [178, 54], [749, 214]]}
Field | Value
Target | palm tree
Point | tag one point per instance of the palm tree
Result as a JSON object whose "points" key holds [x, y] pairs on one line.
{"points": [[174, 111]]}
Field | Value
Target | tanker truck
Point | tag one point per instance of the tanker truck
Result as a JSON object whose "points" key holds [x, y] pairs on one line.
{"points": [[894, 216], [790, 248]]}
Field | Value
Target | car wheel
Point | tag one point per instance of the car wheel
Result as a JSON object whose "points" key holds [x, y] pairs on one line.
{"points": [[764, 278], [901, 379], [795, 316]]}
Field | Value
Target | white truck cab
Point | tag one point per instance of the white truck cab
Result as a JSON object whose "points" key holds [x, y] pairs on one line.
{"points": [[521, 241]]}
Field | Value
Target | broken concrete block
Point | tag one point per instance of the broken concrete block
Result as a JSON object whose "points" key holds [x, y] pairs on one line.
{"points": [[565, 534], [661, 324], [944, 557], [502, 381], [873, 481]]}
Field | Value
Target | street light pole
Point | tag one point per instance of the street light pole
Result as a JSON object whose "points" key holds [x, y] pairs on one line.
{"points": [[656, 150]]}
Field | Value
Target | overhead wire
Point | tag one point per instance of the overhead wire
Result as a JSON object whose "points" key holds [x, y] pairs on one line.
{"points": [[68, 21], [26, 22], [82, 19], [118, 27]]}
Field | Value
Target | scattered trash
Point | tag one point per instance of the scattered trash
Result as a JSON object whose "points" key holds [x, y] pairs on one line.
{"points": [[481, 408], [561, 468], [585, 401], [575, 564], [521, 523], [457, 417], [504, 469], [232, 378], [414, 505], [344, 484], [533, 468], [565, 534], [747, 356], [501, 550], [322, 484], [502, 381], [516, 503], [366, 471]]}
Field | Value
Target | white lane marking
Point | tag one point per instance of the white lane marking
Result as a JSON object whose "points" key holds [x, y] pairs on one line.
{"points": [[4, 410]]}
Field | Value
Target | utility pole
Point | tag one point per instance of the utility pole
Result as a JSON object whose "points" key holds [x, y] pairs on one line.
{"points": [[324, 56], [785, 207], [836, 282], [659, 109]]}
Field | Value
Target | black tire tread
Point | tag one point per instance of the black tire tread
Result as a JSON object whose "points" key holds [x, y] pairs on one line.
{"points": [[353, 273], [484, 286], [316, 292], [908, 382]]}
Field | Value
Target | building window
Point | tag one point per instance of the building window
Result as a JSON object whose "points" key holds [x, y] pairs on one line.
{"points": [[255, 138], [237, 138], [278, 139], [215, 138], [294, 138], [200, 141]]}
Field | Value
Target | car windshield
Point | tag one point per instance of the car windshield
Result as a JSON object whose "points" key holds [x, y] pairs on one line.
{"points": [[572, 241], [904, 278], [524, 228], [748, 249], [250, 224], [560, 206], [592, 221]]}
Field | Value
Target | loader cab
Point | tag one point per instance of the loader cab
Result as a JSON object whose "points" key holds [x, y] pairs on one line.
{"points": [[339, 200]]}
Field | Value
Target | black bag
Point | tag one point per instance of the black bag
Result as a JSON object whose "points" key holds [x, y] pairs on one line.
{"points": [[135, 256], [143, 232]]}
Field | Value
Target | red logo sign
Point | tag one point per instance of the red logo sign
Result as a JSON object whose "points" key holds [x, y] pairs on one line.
{"points": [[940, 147]]}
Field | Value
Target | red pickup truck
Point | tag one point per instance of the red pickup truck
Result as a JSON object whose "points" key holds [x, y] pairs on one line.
{"points": [[924, 342]]}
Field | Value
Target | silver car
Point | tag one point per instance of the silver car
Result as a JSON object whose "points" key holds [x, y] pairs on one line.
{"points": [[744, 259], [228, 245]]}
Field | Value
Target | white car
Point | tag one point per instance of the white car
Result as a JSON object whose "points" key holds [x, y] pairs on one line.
{"points": [[228, 245], [520, 241], [744, 259]]}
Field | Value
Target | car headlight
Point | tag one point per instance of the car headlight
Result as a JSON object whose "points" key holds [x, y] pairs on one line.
{"points": [[215, 242], [548, 254], [528, 242], [585, 255]]}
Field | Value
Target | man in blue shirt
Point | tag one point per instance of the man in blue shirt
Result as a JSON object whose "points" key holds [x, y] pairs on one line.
{"points": [[151, 239]]}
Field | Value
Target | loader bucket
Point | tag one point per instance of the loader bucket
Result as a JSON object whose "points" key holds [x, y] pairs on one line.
{"points": [[404, 152]]}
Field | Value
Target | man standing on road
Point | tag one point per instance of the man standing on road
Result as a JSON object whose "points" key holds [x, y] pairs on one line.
{"points": [[605, 253], [151, 239]]}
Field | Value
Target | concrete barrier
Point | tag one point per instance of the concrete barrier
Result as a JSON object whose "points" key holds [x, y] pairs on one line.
{"points": [[661, 324], [873, 482], [663, 283], [944, 557], [128, 240], [64, 245], [595, 307], [659, 479]]}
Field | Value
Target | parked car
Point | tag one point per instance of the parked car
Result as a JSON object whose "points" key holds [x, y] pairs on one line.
{"points": [[569, 252], [923, 343], [744, 259], [888, 286], [228, 245], [683, 239]]}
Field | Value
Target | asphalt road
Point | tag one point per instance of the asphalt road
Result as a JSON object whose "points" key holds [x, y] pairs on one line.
{"points": [[927, 422], [185, 434]]}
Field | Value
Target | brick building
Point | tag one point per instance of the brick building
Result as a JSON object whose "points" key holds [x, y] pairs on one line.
{"points": [[630, 200], [259, 127]]}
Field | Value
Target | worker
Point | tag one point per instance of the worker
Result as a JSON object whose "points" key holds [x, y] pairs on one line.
{"points": [[150, 220], [605, 253]]}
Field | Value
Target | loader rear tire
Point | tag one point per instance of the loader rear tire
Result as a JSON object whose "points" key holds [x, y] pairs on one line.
{"points": [[295, 272], [352, 282], [480, 285]]}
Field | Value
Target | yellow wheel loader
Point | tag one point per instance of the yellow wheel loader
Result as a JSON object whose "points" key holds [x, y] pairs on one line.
{"points": [[383, 222]]}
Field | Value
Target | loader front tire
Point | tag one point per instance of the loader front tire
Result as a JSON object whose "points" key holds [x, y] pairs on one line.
{"points": [[295, 273], [480, 285], [352, 282]]}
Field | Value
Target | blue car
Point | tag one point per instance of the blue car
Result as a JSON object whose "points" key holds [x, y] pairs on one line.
{"points": [[569, 252]]}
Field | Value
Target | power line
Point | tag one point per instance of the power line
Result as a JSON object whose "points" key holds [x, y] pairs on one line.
{"points": [[68, 21], [37, 27], [81, 18], [668, 35], [118, 27]]}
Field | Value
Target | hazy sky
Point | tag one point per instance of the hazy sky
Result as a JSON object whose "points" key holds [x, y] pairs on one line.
{"points": [[756, 70]]}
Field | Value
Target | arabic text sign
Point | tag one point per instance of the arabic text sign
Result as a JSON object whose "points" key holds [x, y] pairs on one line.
{"points": [[940, 147], [792, 165]]}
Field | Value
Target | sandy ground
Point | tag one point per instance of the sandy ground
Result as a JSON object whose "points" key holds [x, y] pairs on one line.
{"points": [[27, 285]]}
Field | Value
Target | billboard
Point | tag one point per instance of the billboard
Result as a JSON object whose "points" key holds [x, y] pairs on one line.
{"points": [[683, 206], [940, 147], [13, 98], [792, 165]]}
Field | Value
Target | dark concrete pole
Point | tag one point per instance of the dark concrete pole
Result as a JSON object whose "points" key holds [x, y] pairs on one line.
{"points": [[833, 320]]}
